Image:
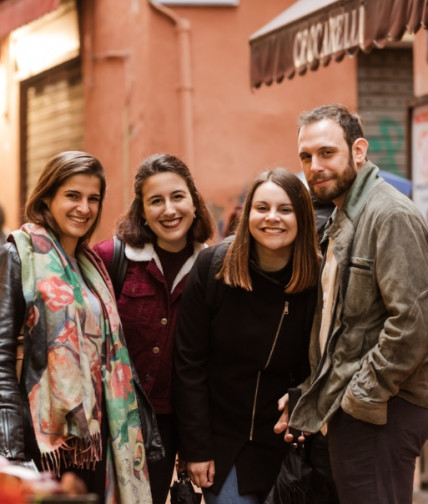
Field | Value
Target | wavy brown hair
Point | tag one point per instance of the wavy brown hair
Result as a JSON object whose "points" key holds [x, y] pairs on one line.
{"points": [[131, 228], [235, 270], [56, 172]]}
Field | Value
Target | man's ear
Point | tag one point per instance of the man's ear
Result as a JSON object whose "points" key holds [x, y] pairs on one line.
{"points": [[359, 151]]}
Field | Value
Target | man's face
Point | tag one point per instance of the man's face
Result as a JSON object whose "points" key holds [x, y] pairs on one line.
{"points": [[326, 161]]}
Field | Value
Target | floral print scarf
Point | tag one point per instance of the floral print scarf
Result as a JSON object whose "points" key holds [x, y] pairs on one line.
{"points": [[74, 357]]}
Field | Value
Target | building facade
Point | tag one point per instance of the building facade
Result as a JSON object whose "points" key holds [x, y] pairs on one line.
{"points": [[123, 80]]}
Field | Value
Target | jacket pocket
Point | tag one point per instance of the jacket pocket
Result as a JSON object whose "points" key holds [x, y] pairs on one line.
{"points": [[137, 301], [361, 291]]}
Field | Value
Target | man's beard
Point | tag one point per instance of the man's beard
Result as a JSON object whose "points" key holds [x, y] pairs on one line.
{"points": [[342, 184]]}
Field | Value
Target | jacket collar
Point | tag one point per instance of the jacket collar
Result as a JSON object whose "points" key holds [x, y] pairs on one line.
{"points": [[148, 254], [367, 178], [343, 223]]}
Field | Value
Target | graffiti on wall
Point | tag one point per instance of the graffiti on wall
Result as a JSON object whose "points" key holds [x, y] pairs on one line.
{"points": [[387, 148]]}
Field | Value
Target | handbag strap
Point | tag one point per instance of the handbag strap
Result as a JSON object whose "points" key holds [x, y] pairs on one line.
{"points": [[118, 267]]}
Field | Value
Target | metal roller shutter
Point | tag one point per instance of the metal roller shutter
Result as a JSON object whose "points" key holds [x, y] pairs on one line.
{"points": [[52, 118]]}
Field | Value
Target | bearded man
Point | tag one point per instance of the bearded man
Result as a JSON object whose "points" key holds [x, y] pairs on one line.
{"points": [[369, 346]]}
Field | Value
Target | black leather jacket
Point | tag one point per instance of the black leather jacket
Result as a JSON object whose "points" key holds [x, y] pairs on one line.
{"points": [[16, 433]]}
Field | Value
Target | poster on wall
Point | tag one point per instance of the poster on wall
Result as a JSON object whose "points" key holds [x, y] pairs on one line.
{"points": [[419, 153]]}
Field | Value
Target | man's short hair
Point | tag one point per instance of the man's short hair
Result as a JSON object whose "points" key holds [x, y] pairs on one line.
{"points": [[350, 123]]}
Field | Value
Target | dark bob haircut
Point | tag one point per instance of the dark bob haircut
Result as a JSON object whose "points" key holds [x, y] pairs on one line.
{"points": [[131, 228]]}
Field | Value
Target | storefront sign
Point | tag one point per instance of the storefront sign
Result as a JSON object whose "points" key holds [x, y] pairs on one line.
{"points": [[311, 33], [339, 32]]}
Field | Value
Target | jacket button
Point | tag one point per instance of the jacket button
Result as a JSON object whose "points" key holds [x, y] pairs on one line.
{"points": [[147, 377], [164, 321], [155, 350]]}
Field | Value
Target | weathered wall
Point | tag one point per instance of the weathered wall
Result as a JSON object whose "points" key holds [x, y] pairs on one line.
{"points": [[9, 146], [140, 80], [420, 51], [132, 59]]}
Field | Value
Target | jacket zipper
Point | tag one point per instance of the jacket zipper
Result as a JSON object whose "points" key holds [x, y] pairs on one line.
{"points": [[259, 373]]}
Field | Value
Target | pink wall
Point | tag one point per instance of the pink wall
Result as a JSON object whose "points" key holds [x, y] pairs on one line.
{"points": [[135, 102], [134, 107], [9, 145], [420, 56]]}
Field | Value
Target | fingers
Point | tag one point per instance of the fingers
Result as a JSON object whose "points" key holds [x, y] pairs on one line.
{"points": [[289, 438], [281, 425], [201, 473], [72, 484], [211, 473], [282, 402]]}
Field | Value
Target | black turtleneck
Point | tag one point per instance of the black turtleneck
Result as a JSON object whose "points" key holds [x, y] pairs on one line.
{"points": [[172, 262]]}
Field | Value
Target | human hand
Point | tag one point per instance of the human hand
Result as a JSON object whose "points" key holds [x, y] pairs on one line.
{"points": [[201, 473], [282, 423], [72, 484]]}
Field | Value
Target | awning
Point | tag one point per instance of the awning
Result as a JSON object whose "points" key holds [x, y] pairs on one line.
{"points": [[16, 13], [313, 32]]}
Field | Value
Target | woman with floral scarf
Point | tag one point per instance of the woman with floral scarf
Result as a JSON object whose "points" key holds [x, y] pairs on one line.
{"points": [[74, 407]]}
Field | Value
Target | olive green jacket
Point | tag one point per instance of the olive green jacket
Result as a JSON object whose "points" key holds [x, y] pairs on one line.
{"points": [[377, 346]]}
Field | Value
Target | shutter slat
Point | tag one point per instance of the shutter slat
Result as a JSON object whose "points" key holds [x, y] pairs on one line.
{"points": [[55, 119]]}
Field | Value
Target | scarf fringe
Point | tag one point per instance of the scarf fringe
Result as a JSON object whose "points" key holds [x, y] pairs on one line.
{"points": [[75, 452]]}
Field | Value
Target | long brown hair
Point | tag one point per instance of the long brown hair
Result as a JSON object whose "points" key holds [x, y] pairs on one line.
{"points": [[56, 172], [131, 228], [235, 269]]}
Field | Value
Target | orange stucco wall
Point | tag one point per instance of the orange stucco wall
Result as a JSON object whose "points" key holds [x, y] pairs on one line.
{"points": [[132, 57], [178, 81], [181, 85], [9, 146], [420, 55]]}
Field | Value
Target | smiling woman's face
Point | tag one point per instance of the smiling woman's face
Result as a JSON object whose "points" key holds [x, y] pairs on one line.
{"points": [[272, 222], [75, 208], [168, 209]]}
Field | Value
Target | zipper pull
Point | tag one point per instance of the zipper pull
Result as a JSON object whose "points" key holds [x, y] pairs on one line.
{"points": [[286, 308]]}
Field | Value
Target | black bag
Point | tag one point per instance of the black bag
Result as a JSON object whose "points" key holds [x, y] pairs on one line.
{"points": [[182, 491], [118, 267], [305, 475]]}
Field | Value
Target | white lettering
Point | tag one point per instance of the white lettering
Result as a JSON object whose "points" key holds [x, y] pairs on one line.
{"points": [[362, 23], [315, 35], [338, 33]]}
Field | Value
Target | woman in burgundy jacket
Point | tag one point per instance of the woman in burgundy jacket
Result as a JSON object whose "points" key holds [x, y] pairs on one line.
{"points": [[163, 231]]}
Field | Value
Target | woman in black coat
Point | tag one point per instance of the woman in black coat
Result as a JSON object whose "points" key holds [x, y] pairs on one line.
{"points": [[242, 340]]}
